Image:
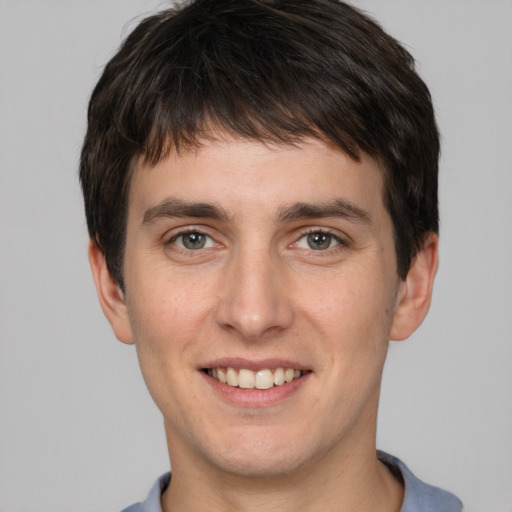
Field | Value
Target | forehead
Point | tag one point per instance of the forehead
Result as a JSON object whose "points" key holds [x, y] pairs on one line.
{"points": [[250, 183], [305, 171]]}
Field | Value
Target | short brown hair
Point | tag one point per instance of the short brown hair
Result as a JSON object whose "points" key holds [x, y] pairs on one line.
{"points": [[266, 70]]}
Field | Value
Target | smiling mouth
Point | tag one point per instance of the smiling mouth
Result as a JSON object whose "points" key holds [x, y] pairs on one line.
{"points": [[261, 379]]}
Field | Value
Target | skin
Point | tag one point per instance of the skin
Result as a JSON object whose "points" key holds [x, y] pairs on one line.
{"points": [[259, 293]]}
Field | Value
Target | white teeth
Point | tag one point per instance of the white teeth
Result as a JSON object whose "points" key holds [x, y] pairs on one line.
{"points": [[221, 375], [232, 377], [279, 377], [247, 379], [264, 379]]}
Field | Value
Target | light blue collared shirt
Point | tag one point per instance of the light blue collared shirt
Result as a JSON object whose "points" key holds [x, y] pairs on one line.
{"points": [[418, 497]]}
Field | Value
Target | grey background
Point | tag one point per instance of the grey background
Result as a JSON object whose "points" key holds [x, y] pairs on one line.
{"points": [[78, 430]]}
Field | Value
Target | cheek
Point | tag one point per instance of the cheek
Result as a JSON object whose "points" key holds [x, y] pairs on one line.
{"points": [[170, 315], [163, 328], [352, 316], [165, 305], [356, 300]]}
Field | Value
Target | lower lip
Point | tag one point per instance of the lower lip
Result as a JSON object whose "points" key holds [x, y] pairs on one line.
{"points": [[256, 397]]}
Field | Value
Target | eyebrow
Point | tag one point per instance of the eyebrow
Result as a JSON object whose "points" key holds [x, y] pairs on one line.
{"points": [[336, 208], [297, 211], [179, 208]]}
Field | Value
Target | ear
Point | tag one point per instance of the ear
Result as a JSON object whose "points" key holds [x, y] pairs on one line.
{"points": [[110, 295], [415, 293]]}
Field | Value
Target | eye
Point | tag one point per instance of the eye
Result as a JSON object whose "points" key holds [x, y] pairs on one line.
{"points": [[192, 241], [318, 241]]}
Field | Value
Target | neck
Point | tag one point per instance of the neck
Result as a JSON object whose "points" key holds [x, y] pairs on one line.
{"points": [[352, 481]]}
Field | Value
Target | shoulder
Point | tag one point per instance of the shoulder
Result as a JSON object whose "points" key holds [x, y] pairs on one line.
{"points": [[152, 502], [419, 496]]}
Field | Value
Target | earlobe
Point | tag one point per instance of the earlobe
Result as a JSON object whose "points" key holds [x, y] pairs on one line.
{"points": [[110, 295], [415, 292]]}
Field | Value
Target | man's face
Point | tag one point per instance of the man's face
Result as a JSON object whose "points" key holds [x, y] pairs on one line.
{"points": [[244, 261]]}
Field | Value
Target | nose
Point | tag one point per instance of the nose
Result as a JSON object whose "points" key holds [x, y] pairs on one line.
{"points": [[254, 300]]}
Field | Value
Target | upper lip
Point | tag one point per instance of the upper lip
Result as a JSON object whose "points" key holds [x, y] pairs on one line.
{"points": [[253, 364]]}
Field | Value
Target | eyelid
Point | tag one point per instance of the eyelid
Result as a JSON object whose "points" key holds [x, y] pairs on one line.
{"points": [[178, 232], [342, 240], [183, 230], [325, 230]]}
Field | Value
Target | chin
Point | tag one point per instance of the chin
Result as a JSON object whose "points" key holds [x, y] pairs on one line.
{"points": [[261, 466], [261, 456]]}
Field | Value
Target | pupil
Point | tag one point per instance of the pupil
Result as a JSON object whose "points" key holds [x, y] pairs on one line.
{"points": [[319, 241], [194, 241]]}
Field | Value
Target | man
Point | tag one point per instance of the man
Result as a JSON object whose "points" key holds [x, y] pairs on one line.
{"points": [[260, 184]]}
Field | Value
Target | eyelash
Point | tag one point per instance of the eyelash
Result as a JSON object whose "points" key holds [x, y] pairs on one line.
{"points": [[340, 245], [172, 240], [340, 242]]}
